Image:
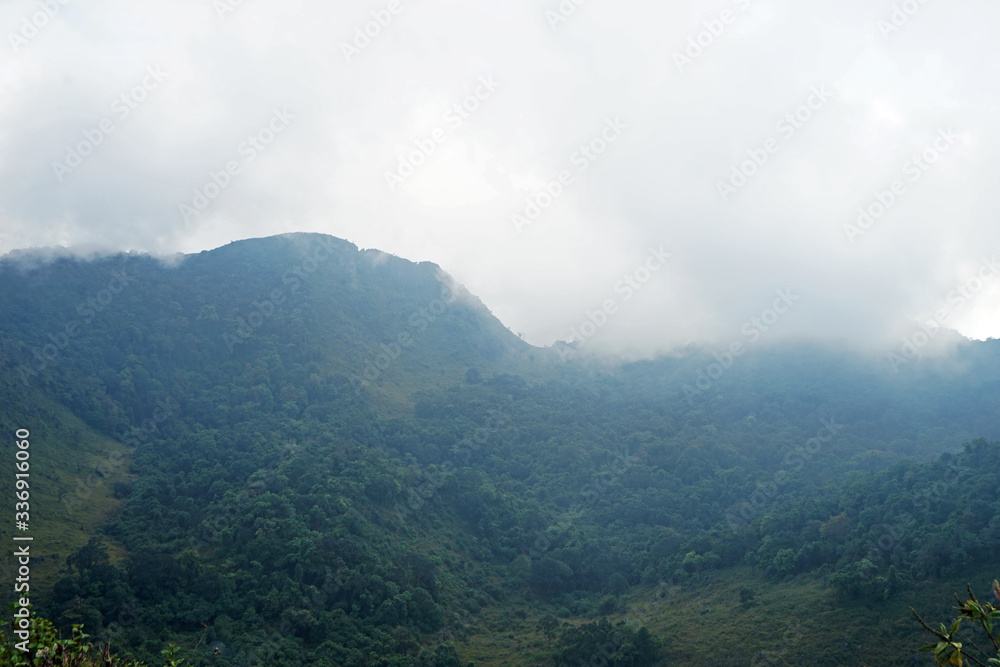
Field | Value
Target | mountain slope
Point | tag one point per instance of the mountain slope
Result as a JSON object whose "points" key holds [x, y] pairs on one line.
{"points": [[337, 457], [371, 317]]}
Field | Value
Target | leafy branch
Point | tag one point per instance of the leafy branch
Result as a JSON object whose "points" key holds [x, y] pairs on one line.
{"points": [[948, 650]]}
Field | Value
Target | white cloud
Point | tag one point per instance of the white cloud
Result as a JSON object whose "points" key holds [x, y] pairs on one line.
{"points": [[655, 185]]}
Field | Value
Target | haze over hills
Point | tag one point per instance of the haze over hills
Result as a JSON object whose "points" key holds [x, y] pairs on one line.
{"points": [[335, 456]]}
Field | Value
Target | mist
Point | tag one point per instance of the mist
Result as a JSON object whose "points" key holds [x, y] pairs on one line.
{"points": [[792, 172]]}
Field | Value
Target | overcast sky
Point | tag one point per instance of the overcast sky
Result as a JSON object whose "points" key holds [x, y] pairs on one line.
{"points": [[115, 115]]}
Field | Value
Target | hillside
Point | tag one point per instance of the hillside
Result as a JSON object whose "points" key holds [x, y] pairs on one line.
{"points": [[320, 455]]}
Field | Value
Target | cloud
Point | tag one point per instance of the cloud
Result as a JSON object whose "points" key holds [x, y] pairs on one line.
{"points": [[701, 89]]}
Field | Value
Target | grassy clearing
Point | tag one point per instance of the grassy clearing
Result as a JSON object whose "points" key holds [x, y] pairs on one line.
{"points": [[795, 622], [73, 473]]}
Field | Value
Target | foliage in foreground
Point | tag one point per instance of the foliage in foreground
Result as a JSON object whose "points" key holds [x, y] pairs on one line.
{"points": [[952, 647], [46, 648]]}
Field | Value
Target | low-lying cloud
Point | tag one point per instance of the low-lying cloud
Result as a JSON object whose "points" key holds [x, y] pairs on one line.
{"points": [[842, 152]]}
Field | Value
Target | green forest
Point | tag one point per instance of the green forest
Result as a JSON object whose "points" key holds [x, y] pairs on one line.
{"points": [[289, 451]]}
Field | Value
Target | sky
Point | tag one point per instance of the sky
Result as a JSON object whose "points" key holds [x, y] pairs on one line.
{"points": [[633, 175]]}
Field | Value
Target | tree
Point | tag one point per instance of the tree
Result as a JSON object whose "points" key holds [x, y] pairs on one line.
{"points": [[444, 655], [617, 583], [89, 556], [550, 576], [783, 562], [692, 562], [617, 645]]}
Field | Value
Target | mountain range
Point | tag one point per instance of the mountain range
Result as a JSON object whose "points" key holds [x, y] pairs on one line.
{"points": [[293, 451]]}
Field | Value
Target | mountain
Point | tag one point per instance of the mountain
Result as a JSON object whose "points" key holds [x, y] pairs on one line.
{"points": [[291, 451], [349, 311]]}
